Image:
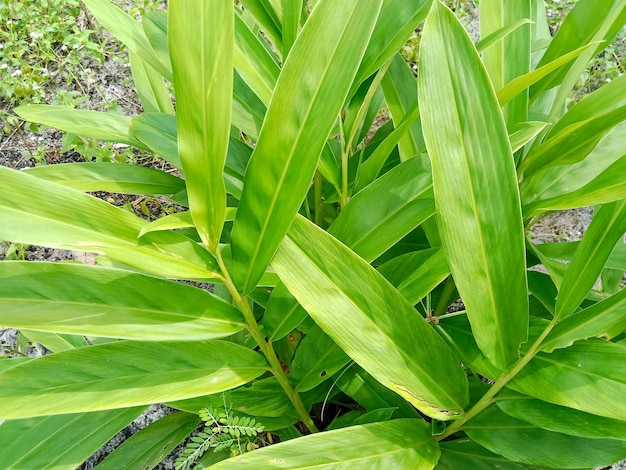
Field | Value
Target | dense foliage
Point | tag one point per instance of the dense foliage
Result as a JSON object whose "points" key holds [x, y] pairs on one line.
{"points": [[336, 244]]}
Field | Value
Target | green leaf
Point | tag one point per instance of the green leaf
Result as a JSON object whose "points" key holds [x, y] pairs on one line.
{"points": [[154, 23], [370, 169], [401, 443], [169, 222], [400, 90], [38, 212], [605, 188], [370, 394], [559, 418], [158, 133], [283, 313], [292, 12], [606, 229], [110, 177], [573, 143], [122, 374], [588, 21], [267, 19], [522, 133], [102, 126], [94, 301], [150, 86], [522, 442], [604, 319], [416, 274], [317, 359], [253, 62], [41, 442], [475, 187], [517, 85], [577, 376], [129, 32], [457, 332], [150, 445], [510, 57], [397, 20], [385, 211], [54, 342], [248, 110], [370, 321], [263, 398], [301, 115], [491, 39], [201, 42], [465, 453]]}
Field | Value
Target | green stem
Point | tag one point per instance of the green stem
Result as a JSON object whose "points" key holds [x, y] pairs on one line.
{"points": [[319, 200], [266, 347], [343, 197], [504, 379]]}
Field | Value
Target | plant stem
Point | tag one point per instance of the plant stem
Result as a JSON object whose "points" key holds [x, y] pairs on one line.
{"points": [[505, 378], [266, 347], [343, 196], [319, 200]]}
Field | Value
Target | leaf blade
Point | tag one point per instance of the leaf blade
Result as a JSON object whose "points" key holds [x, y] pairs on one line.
{"points": [[374, 338], [284, 160], [201, 42], [468, 208], [93, 301], [122, 374]]}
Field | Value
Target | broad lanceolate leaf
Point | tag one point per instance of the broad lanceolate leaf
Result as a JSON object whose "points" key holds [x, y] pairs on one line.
{"points": [[606, 319], [371, 321], [93, 301], [129, 32], [39, 212], [59, 442], [150, 445], [522, 442], [475, 185], [510, 57], [606, 229], [122, 374], [307, 99], [102, 126], [559, 418], [110, 177], [576, 376], [386, 210], [201, 42], [400, 443]]}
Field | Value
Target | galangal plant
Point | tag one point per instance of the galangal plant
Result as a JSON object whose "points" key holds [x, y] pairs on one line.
{"points": [[335, 251]]}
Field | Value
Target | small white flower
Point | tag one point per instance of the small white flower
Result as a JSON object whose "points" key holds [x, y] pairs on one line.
{"points": [[608, 80], [17, 73], [1, 45], [64, 47], [4, 66], [36, 35]]}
